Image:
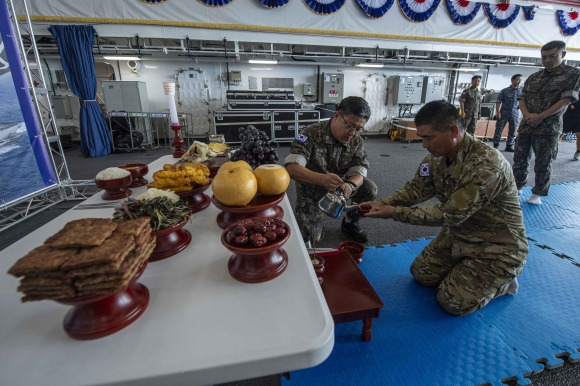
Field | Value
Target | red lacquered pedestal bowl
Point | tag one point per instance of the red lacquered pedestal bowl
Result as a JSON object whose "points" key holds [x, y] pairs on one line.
{"points": [[138, 172], [116, 188], [250, 264], [196, 199], [93, 317], [357, 250], [260, 206], [170, 241]]}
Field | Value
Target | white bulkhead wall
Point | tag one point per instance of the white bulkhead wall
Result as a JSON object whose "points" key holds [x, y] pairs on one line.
{"points": [[202, 86], [202, 89]]}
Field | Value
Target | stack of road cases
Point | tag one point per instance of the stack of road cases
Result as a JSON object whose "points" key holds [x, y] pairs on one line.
{"points": [[262, 100], [279, 125], [227, 123]]}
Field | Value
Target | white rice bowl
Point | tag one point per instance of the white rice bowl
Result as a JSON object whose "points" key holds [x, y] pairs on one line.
{"points": [[112, 174]]}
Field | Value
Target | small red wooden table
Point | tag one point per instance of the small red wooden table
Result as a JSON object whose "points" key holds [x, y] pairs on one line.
{"points": [[348, 293]]}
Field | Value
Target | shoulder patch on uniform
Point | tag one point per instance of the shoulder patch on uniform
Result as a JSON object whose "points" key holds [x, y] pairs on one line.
{"points": [[301, 138], [425, 169]]}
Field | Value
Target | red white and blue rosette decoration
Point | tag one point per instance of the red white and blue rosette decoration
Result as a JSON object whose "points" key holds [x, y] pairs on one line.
{"points": [[569, 22], [215, 3], [375, 8], [418, 10], [324, 7], [501, 15], [529, 11], [462, 11], [273, 3]]}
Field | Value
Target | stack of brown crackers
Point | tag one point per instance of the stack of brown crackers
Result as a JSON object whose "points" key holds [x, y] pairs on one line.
{"points": [[91, 256]]}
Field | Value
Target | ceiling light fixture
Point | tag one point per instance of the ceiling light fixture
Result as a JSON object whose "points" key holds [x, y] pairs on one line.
{"points": [[473, 69], [263, 61], [121, 57], [370, 65]]}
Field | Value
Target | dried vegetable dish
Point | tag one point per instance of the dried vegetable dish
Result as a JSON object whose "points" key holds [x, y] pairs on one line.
{"points": [[162, 211]]}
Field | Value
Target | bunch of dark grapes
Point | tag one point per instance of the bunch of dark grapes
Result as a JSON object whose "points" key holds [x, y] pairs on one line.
{"points": [[255, 149]]}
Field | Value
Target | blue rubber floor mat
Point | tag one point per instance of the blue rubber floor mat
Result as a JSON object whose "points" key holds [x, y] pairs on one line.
{"points": [[562, 242], [416, 246], [414, 342], [542, 319], [561, 208], [565, 194]]}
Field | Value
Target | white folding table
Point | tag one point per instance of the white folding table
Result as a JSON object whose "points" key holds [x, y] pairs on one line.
{"points": [[201, 326]]}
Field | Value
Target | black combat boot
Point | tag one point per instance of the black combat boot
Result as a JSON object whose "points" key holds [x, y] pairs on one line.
{"points": [[353, 229]]}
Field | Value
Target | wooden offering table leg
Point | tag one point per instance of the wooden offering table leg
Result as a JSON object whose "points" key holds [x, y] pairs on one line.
{"points": [[366, 330]]}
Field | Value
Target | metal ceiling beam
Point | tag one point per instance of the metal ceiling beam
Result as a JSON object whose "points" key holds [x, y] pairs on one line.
{"points": [[163, 49]]}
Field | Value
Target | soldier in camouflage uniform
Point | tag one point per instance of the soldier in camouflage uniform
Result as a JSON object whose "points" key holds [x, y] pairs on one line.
{"points": [[508, 113], [543, 101], [470, 102], [482, 246], [327, 156]]}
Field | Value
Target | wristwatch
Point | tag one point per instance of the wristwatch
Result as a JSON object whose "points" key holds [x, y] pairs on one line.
{"points": [[350, 183]]}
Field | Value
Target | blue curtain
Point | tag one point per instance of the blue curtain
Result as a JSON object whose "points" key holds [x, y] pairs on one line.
{"points": [[75, 45]]}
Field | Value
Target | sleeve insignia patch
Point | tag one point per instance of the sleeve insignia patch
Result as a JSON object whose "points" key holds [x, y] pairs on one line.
{"points": [[301, 138], [425, 169]]}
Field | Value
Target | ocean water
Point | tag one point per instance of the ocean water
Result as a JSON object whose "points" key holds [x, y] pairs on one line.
{"points": [[19, 174]]}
